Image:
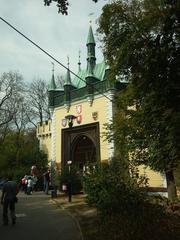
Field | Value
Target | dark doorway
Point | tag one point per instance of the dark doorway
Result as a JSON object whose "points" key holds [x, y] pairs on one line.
{"points": [[81, 144], [83, 151]]}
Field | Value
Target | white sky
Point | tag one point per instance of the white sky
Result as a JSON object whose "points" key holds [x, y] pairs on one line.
{"points": [[59, 35]]}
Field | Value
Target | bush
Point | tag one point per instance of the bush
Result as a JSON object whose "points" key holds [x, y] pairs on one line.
{"points": [[75, 177], [112, 191], [125, 209]]}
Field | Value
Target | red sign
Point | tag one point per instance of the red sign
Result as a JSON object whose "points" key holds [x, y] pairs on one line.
{"points": [[79, 119]]}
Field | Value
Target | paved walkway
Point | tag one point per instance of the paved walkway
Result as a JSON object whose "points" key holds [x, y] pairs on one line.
{"points": [[38, 218]]}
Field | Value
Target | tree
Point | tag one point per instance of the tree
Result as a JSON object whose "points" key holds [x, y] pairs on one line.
{"points": [[142, 45], [10, 86], [19, 148], [37, 104], [28, 154], [62, 5]]}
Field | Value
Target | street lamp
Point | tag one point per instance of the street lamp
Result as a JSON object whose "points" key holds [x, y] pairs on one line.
{"points": [[70, 119], [69, 182]]}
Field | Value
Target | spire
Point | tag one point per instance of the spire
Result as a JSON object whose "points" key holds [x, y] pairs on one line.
{"points": [[52, 85], [68, 76], [79, 63], [91, 58], [90, 39]]}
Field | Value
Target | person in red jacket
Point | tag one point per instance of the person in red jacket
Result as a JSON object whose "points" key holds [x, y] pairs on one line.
{"points": [[8, 200]]}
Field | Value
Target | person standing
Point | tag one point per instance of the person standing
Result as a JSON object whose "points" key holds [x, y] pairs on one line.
{"points": [[46, 181], [24, 183], [8, 200], [29, 185]]}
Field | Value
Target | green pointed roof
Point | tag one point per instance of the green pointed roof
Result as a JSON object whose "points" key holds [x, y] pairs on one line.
{"points": [[98, 72], [67, 78], [52, 85], [90, 39]]}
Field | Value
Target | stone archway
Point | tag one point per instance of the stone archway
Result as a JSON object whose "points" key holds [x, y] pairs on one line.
{"points": [[83, 151]]}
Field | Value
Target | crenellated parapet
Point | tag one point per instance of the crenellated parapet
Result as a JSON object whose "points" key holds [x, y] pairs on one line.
{"points": [[44, 128]]}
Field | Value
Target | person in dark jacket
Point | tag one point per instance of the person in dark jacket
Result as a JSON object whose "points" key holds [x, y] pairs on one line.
{"points": [[46, 176], [8, 200]]}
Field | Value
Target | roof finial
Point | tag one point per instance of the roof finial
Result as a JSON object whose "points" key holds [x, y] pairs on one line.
{"points": [[52, 67], [79, 63], [68, 61], [52, 85], [68, 77], [90, 19]]}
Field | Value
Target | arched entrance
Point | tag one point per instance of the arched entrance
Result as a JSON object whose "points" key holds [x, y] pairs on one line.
{"points": [[80, 144], [83, 151]]}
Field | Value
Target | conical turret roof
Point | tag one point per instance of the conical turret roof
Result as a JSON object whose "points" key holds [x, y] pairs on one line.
{"points": [[67, 78], [52, 85], [90, 39]]}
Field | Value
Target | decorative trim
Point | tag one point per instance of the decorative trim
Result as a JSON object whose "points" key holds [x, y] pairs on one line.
{"points": [[90, 100], [164, 180], [79, 102], [58, 98], [95, 116], [109, 121], [64, 122], [158, 191], [79, 119], [79, 109], [67, 107], [53, 137]]}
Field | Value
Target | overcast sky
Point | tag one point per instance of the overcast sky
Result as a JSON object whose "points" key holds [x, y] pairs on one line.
{"points": [[61, 36]]}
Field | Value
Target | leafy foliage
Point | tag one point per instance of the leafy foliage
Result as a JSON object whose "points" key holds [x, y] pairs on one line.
{"points": [[142, 45], [20, 106], [62, 5], [18, 153], [125, 210], [114, 191], [73, 176]]}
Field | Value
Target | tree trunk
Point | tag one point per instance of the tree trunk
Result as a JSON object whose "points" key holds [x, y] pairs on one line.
{"points": [[171, 186]]}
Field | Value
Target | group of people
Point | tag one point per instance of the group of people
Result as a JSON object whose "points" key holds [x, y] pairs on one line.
{"points": [[9, 195], [10, 190], [28, 184]]}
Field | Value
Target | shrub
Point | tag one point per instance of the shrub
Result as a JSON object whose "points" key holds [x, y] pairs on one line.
{"points": [[113, 191], [125, 209], [75, 177]]}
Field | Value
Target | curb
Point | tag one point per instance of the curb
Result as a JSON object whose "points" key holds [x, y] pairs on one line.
{"points": [[74, 219]]}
